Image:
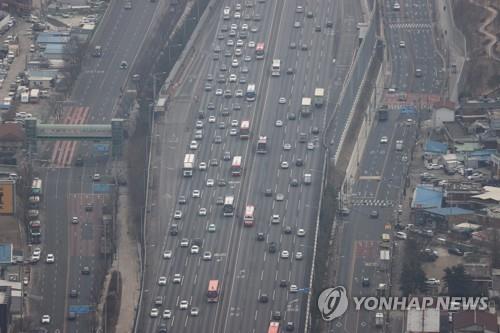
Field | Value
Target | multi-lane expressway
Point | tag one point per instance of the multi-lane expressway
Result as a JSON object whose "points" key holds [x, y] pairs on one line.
{"points": [[241, 263], [381, 176], [68, 189]]}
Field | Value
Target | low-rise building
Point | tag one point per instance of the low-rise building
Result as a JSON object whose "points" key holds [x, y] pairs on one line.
{"points": [[42, 79], [11, 138], [422, 321], [474, 321], [443, 111]]}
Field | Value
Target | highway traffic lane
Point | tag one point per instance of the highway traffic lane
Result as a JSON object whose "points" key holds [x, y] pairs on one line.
{"points": [[53, 241]]}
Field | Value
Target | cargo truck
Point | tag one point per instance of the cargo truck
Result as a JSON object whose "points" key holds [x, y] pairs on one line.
{"points": [[305, 109], [399, 145], [187, 169], [275, 69], [383, 113], [262, 145], [319, 96]]}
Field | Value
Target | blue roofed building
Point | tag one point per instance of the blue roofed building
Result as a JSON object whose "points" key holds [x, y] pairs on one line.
{"points": [[54, 51], [427, 196], [435, 148], [6, 253], [444, 217]]}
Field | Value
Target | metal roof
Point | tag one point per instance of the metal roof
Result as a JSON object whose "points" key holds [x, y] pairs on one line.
{"points": [[432, 146], [427, 197], [6, 253], [449, 211]]}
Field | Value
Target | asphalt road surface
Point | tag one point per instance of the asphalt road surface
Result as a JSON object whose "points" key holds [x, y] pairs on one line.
{"points": [[383, 169], [67, 189], [242, 264]]}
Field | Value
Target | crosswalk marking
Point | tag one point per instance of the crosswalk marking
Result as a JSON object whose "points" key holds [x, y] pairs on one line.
{"points": [[410, 26], [372, 202]]}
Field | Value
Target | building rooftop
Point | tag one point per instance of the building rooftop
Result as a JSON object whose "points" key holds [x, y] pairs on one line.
{"points": [[6, 253], [39, 74], [11, 132], [465, 319], [449, 211], [423, 321], [432, 146], [55, 48], [444, 104], [489, 193], [426, 196]]}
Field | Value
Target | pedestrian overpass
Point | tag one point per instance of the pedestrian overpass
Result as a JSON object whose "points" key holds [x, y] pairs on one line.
{"points": [[90, 132]]}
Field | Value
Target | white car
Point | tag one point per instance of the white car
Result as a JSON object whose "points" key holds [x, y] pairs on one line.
{"points": [[284, 165], [282, 100], [384, 139], [239, 42], [183, 305], [299, 255], [184, 242], [233, 78], [247, 58], [233, 132], [167, 314], [293, 288], [194, 311], [285, 254], [401, 235], [237, 15], [278, 123], [211, 227], [211, 119], [433, 282], [74, 220], [433, 166], [238, 52], [196, 194], [177, 278], [195, 249], [96, 177], [45, 319], [199, 124], [177, 215], [193, 145], [251, 44], [154, 313], [218, 92], [275, 219], [235, 123], [37, 251], [50, 259], [287, 146], [235, 63], [402, 44], [310, 146], [162, 280], [210, 182], [167, 254], [234, 26], [244, 26], [238, 93], [207, 255], [202, 212], [396, 6], [202, 166], [301, 232]]}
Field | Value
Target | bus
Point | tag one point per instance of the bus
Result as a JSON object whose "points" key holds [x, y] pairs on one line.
{"points": [[228, 208], [245, 130], [213, 291], [248, 218], [36, 186], [259, 51], [274, 327], [236, 166], [275, 67], [250, 94], [226, 13], [262, 145]]}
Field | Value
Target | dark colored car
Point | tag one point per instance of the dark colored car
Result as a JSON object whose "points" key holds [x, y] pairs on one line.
{"points": [[174, 230], [260, 236], [272, 247], [455, 251]]}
